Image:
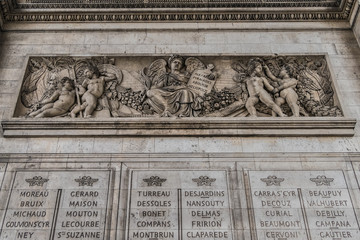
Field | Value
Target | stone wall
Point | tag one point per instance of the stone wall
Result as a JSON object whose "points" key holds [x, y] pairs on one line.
{"points": [[340, 45], [237, 167], [356, 25]]}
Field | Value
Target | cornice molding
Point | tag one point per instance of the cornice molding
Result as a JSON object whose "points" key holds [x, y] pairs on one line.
{"points": [[17, 13], [59, 4]]}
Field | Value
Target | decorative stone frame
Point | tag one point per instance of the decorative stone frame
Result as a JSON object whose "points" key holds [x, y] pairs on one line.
{"points": [[205, 126], [324, 11]]}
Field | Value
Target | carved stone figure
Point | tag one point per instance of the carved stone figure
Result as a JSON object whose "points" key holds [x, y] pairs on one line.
{"points": [[91, 90], [59, 103], [169, 93], [41, 78], [303, 83], [286, 88], [255, 86], [315, 91], [276, 86]]}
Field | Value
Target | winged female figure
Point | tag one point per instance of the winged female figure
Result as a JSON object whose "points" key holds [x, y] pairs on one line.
{"points": [[166, 87]]}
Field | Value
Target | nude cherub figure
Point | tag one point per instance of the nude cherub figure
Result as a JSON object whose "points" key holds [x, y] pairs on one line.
{"points": [[91, 89], [286, 89], [255, 86], [59, 103]]}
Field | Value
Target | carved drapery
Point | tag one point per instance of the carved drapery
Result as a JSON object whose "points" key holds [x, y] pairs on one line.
{"points": [[178, 86], [219, 95]]}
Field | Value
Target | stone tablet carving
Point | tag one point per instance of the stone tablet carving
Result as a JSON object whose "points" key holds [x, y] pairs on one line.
{"points": [[299, 205], [179, 205], [179, 86], [57, 205]]}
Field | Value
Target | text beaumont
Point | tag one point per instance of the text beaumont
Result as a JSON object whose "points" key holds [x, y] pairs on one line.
{"points": [[280, 224]]}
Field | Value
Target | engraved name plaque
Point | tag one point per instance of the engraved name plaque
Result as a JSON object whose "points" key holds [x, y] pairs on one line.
{"points": [[57, 205], [299, 205], [179, 205]]}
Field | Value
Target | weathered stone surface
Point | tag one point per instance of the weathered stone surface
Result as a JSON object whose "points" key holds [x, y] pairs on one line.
{"points": [[2, 172], [296, 204], [57, 203], [178, 197], [179, 205], [189, 86], [149, 87], [179, 127], [234, 35]]}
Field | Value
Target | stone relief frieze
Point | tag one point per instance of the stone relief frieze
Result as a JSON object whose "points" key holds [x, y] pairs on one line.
{"points": [[177, 86]]}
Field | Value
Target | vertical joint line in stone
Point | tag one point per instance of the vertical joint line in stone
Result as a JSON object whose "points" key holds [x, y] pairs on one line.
{"points": [[56, 212], [129, 206], [250, 207], [180, 214], [108, 210], [347, 189], [2, 180], [354, 171], [307, 229], [8, 201]]}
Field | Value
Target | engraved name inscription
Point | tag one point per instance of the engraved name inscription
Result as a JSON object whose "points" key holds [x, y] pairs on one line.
{"points": [[307, 205], [188, 205], [57, 206]]}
